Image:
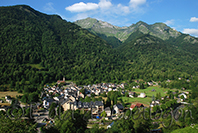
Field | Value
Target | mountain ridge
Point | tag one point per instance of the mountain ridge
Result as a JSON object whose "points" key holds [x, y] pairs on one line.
{"points": [[156, 29]]}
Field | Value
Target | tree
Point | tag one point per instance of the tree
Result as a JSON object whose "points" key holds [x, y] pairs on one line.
{"points": [[52, 111], [142, 86], [33, 97], [87, 99], [24, 98], [153, 98], [71, 121], [123, 126], [59, 110], [82, 91], [95, 129], [103, 114], [163, 106], [108, 102], [18, 125], [104, 94], [142, 126], [92, 95], [115, 100]]}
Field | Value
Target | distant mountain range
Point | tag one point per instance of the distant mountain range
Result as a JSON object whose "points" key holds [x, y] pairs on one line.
{"points": [[117, 35], [42, 48]]}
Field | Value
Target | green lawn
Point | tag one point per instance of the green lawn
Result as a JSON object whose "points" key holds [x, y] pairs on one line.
{"points": [[149, 93], [128, 100]]}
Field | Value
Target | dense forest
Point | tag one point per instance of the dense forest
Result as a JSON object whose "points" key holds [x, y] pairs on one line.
{"points": [[37, 49]]}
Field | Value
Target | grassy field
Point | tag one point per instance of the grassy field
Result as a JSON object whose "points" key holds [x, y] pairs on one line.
{"points": [[149, 93], [10, 93], [13, 94]]}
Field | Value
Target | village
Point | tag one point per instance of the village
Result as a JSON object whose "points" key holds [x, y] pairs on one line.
{"points": [[72, 97]]}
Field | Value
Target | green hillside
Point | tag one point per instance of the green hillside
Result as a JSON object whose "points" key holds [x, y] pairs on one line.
{"points": [[37, 48], [59, 48], [155, 54]]}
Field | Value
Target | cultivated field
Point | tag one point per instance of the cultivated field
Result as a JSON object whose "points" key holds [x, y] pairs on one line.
{"points": [[10, 93]]}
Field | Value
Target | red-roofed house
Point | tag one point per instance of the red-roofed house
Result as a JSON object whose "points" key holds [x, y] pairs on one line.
{"points": [[132, 106], [138, 105]]}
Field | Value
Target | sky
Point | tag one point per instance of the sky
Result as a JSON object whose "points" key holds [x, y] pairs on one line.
{"points": [[181, 15]]}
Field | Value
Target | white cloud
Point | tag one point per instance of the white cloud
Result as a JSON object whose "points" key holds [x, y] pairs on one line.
{"points": [[136, 3], [104, 4], [49, 7], [106, 10], [193, 19], [82, 7], [169, 22], [191, 31], [124, 9]]}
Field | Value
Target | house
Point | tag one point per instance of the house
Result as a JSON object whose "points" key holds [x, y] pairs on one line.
{"points": [[154, 103], [131, 96], [110, 89], [168, 80], [2, 109], [108, 111], [142, 95], [81, 95], [182, 94], [47, 103], [109, 126], [132, 93], [96, 106], [138, 105], [72, 98], [66, 104], [8, 99], [61, 81], [99, 105], [150, 83], [132, 106], [58, 98], [118, 108]]}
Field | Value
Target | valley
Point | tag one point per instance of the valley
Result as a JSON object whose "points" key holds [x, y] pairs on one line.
{"points": [[57, 64]]}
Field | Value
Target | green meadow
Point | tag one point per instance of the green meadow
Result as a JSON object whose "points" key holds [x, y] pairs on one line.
{"points": [[149, 93]]}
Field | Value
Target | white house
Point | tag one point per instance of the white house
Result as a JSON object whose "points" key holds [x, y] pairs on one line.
{"points": [[142, 95], [118, 108], [183, 94], [108, 111]]}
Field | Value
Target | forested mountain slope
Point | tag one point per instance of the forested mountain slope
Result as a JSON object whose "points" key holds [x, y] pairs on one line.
{"points": [[30, 41], [37, 48]]}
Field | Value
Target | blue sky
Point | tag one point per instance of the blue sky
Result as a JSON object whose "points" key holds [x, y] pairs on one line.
{"points": [[181, 15]]}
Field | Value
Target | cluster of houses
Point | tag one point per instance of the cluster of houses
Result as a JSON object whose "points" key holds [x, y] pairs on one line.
{"points": [[69, 97]]}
